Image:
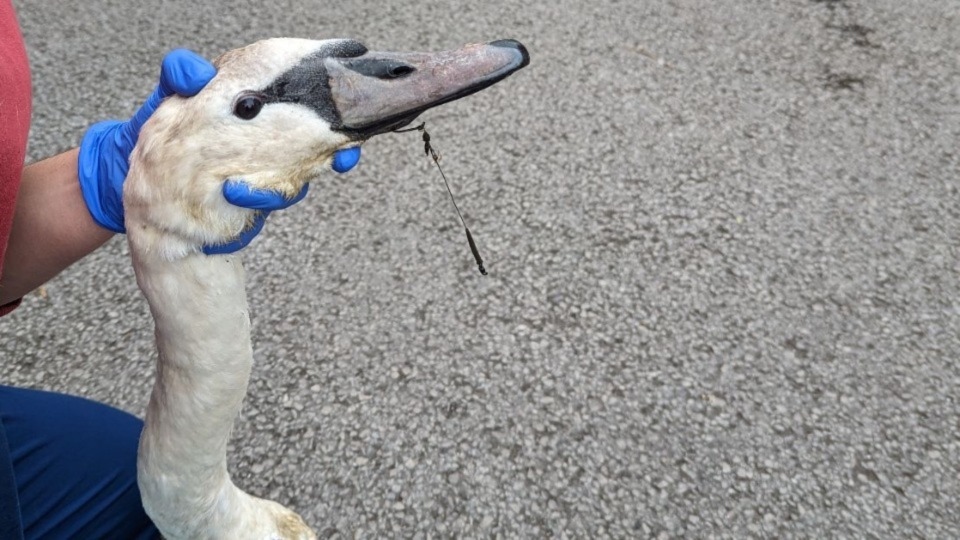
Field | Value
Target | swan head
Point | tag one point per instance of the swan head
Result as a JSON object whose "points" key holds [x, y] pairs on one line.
{"points": [[274, 115]]}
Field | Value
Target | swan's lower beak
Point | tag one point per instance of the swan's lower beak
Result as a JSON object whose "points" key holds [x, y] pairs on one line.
{"points": [[378, 92]]}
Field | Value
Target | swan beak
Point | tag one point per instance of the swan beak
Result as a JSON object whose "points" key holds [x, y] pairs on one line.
{"points": [[379, 92]]}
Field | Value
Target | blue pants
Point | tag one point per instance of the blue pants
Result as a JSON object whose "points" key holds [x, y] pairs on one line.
{"points": [[68, 469]]}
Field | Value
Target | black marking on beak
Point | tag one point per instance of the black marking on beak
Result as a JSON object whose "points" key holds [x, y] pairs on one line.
{"points": [[307, 83]]}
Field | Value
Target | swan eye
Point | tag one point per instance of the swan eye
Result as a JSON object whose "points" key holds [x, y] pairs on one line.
{"points": [[248, 107]]}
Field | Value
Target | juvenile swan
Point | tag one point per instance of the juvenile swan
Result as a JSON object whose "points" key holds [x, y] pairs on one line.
{"points": [[274, 116]]}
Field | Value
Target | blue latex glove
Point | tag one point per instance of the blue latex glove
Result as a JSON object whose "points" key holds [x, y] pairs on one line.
{"points": [[346, 159], [106, 146], [239, 193]]}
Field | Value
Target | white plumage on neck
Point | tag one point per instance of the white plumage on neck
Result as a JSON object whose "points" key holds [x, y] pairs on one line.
{"points": [[203, 338]]}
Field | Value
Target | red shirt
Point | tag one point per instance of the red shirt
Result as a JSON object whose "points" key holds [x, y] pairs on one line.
{"points": [[14, 122]]}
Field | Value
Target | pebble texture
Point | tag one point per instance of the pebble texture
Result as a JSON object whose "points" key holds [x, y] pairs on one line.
{"points": [[723, 249]]}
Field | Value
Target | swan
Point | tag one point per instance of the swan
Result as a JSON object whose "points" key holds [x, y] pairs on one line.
{"points": [[274, 115]]}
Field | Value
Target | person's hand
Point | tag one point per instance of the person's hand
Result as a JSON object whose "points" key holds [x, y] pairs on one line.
{"points": [[239, 193], [106, 146]]}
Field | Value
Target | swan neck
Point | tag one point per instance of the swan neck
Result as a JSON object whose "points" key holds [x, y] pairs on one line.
{"points": [[200, 311]]}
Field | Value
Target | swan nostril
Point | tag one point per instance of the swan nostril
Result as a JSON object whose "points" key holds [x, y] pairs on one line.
{"points": [[381, 68], [400, 71]]}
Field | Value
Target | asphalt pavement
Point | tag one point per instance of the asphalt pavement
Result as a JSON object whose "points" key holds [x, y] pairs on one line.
{"points": [[724, 251]]}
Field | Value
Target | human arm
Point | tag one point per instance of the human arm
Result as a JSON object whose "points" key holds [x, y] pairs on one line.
{"points": [[52, 227], [70, 204]]}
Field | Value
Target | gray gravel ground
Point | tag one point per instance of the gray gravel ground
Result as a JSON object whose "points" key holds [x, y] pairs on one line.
{"points": [[723, 244]]}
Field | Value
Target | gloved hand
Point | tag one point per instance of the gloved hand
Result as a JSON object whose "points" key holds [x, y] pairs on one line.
{"points": [[105, 150], [106, 146], [239, 193]]}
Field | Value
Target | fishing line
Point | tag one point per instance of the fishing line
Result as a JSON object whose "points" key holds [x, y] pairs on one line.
{"points": [[429, 151]]}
